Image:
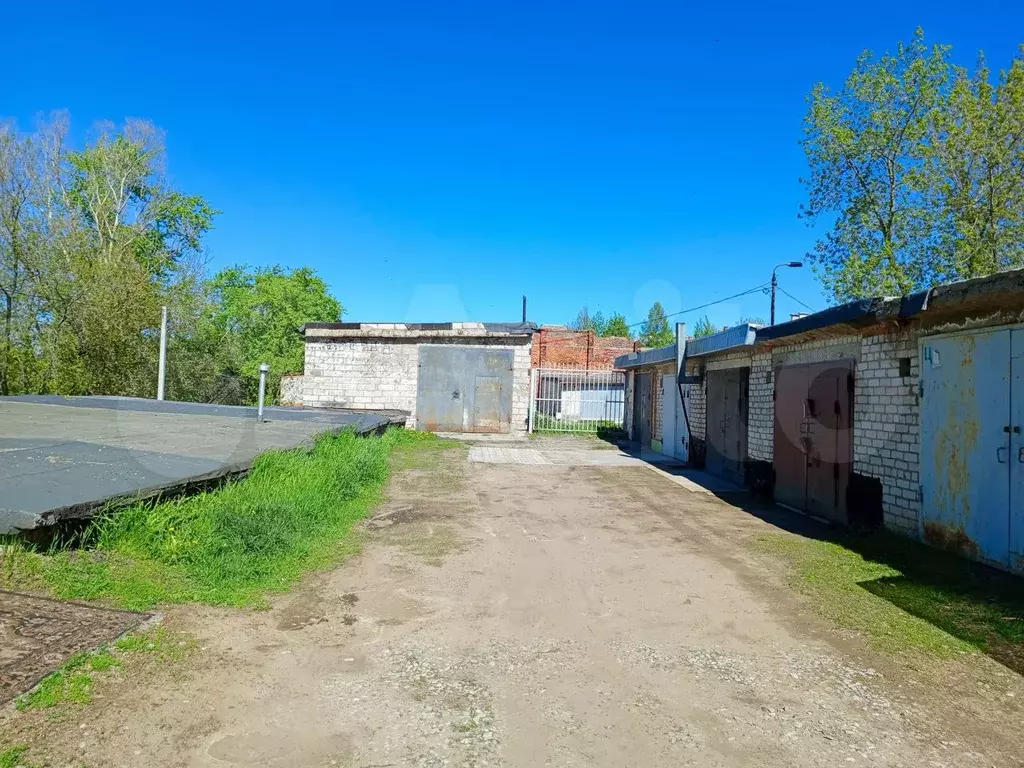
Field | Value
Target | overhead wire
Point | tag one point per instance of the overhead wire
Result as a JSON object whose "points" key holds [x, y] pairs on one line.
{"points": [[761, 287]]}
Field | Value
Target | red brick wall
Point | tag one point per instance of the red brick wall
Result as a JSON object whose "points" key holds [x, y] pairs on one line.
{"points": [[583, 349]]}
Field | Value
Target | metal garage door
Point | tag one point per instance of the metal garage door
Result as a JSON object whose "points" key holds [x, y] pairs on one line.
{"points": [[464, 389], [814, 437], [642, 427], [727, 422], [972, 449]]}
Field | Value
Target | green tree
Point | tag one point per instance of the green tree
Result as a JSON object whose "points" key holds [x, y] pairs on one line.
{"points": [[617, 327], [703, 327], [254, 318], [92, 242], [973, 173], [655, 331], [917, 165], [865, 148], [584, 321]]}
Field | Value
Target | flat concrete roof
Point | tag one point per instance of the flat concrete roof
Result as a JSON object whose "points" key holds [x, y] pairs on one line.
{"points": [[319, 332], [65, 458]]}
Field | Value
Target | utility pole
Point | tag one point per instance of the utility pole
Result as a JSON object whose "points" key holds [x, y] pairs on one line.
{"points": [[162, 373], [775, 282]]}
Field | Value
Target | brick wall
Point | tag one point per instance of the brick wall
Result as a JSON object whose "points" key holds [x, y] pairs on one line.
{"points": [[583, 349], [383, 374], [886, 426], [696, 403], [761, 409], [886, 412]]}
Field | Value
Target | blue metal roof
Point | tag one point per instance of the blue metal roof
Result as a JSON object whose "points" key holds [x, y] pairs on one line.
{"points": [[647, 357], [739, 336]]}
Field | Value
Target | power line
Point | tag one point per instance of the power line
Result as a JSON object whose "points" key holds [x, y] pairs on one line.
{"points": [[710, 303], [794, 298]]}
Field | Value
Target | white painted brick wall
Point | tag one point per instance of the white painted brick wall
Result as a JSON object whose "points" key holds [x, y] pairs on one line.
{"points": [[383, 374], [761, 409], [886, 426], [696, 404]]}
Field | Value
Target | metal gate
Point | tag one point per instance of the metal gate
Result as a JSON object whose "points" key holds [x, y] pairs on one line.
{"points": [[972, 444], [464, 389], [814, 437], [727, 422], [577, 400]]}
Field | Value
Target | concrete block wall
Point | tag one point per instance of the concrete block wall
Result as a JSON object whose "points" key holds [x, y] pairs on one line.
{"points": [[363, 374], [886, 425], [520, 387], [383, 374]]}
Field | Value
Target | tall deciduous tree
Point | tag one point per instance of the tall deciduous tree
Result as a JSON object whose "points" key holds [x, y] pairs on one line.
{"points": [[919, 168], [255, 317], [974, 173], [865, 148], [655, 331]]}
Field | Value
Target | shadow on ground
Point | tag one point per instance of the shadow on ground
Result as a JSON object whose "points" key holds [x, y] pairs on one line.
{"points": [[980, 605]]}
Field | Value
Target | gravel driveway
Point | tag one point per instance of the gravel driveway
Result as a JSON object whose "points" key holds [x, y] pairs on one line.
{"points": [[547, 614]]}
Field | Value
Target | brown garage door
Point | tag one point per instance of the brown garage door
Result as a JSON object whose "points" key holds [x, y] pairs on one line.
{"points": [[814, 437]]}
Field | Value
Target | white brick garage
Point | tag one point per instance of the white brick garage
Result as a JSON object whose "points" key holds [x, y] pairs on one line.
{"points": [[376, 366]]}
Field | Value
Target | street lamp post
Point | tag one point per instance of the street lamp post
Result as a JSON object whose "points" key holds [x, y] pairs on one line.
{"points": [[775, 282]]}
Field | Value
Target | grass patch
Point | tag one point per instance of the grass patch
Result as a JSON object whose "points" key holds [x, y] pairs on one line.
{"points": [[73, 682], [605, 430], [292, 513], [906, 596], [12, 757]]}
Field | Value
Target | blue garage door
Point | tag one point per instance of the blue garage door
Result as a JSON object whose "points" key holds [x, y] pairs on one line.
{"points": [[971, 444], [464, 389]]}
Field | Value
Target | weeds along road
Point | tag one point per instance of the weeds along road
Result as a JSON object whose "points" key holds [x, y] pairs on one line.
{"points": [[513, 615]]}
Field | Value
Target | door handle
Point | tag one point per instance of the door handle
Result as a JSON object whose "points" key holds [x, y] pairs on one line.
{"points": [[1000, 454]]}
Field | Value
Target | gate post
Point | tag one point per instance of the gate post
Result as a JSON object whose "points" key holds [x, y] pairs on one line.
{"points": [[533, 400]]}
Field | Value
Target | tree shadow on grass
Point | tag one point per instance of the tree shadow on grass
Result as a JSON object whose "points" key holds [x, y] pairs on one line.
{"points": [[978, 604]]}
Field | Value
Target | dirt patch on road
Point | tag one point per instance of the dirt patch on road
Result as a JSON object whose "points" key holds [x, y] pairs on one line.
{"points": [[575, 617]]}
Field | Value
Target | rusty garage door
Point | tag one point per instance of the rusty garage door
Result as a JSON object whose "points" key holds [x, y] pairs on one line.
{"points": [[972, 446], [727, 422], [814, 437], [464, 389]]}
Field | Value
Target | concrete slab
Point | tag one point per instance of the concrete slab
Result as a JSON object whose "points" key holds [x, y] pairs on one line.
{"points": [[64, 458]]}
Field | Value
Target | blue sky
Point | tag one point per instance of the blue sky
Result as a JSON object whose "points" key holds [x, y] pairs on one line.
{"points": [[435, 161]]}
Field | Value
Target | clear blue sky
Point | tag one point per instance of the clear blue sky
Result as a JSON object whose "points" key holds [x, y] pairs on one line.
{"points": [[437, 160]]}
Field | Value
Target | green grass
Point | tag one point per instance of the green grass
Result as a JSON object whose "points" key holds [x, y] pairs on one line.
{"points": [[906, 596], [12, 757], [292, 513], [72, 683], [546, 423]]}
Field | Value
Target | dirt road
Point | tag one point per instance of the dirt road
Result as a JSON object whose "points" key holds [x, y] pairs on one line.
{"points": [[514, 615]]}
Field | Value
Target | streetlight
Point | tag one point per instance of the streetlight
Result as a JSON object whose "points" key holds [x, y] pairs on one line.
{"points": [[775, 282]]}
